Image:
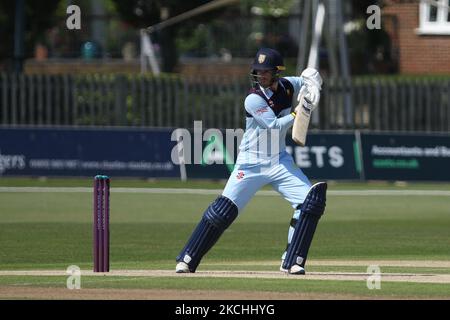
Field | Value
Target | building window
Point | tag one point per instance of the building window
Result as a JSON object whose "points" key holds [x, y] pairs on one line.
{"points": [[434, 17]]}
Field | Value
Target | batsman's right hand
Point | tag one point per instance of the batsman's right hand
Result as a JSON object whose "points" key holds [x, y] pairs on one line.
{"points": [[312, 96], [306, 99]]}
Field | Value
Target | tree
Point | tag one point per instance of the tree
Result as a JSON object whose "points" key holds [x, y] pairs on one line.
{"points": [[370, 50], [39, 15], [144, 13]]}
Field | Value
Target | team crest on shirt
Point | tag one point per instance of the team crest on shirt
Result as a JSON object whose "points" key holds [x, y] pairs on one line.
{"points": [[261, 58], [240, 175]]}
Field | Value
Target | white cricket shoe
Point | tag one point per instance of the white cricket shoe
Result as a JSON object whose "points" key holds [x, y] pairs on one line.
{"points": [[182, 267], [296, 269]]}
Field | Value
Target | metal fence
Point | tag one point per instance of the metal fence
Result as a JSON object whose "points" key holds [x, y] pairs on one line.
{"points": [[387, 104], [416, 104]]}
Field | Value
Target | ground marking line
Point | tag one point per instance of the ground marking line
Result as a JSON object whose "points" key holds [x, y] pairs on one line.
{"points": [[337, 276], [375, 192], [130, 274], [83, 281]]}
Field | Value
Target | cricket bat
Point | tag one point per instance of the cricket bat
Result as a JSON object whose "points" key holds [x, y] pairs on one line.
{"points": [[301, 123]]}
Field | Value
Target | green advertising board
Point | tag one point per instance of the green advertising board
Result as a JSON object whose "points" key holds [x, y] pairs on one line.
{"points": [[406, 156]]}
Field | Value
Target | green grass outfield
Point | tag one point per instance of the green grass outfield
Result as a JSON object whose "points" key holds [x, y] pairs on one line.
{"points": [[53, 230]]}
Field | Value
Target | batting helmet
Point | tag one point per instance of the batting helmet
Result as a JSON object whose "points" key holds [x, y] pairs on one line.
{"points": [[268, 59]]}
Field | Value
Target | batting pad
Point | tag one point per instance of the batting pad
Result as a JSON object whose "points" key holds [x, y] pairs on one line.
{"points": [[312, 209], [216, 219]]}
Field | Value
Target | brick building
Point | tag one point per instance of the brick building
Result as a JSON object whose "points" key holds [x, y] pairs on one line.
{"points": [[420, 32]]}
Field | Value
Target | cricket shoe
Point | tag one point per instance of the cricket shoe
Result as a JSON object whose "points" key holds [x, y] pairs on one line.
{"points": [[182, 267], [296, 269]]}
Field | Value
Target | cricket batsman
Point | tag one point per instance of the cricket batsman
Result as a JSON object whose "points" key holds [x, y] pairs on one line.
{"points": [[262, 160]]}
